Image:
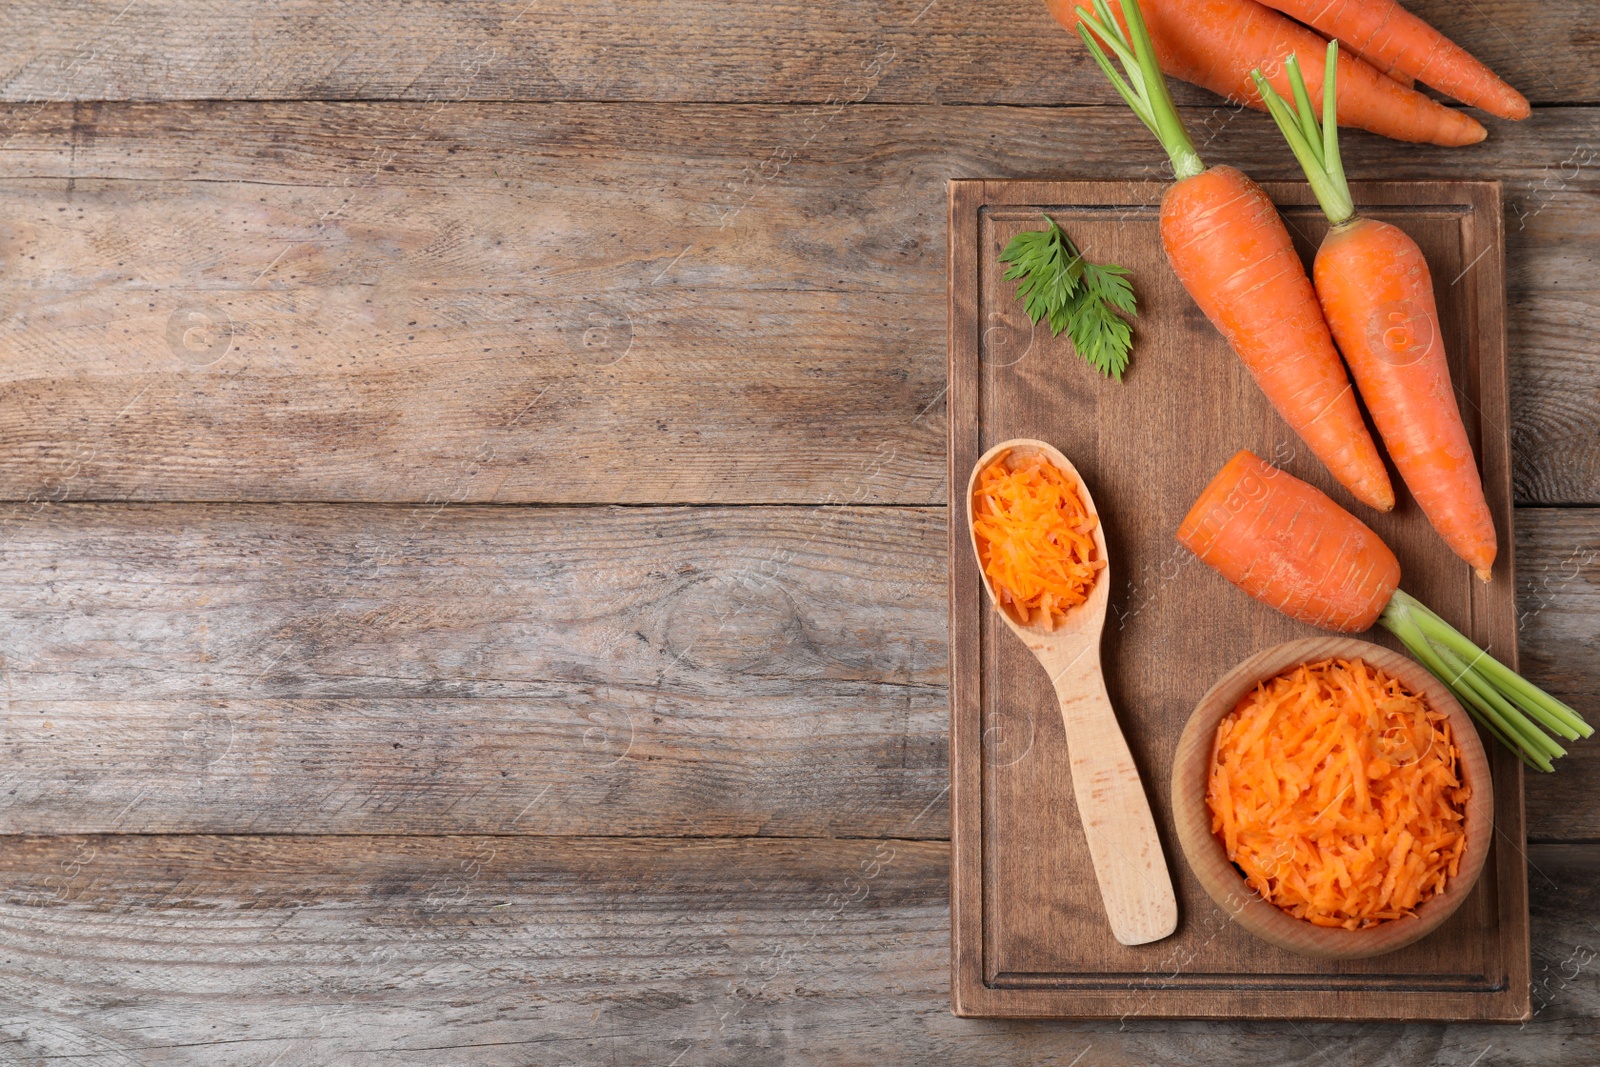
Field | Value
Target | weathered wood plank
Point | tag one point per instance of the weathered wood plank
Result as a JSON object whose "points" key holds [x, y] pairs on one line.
{"points": [[852, 760], [431, 395], [918, 51], [365, 951], [774, 671], [520, 670], [1555, 396], [719, 304], [1558, 581], [139, 602]]}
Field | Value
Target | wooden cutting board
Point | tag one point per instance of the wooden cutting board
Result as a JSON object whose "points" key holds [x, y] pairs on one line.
{"points": [[1029, 936]]}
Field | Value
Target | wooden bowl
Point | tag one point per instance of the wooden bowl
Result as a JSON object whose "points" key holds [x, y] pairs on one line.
{"points": [[1209, 861]]}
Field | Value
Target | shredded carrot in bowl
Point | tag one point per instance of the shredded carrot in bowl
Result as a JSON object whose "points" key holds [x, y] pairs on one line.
{"points": [[1035, 539], [1337, 793]]}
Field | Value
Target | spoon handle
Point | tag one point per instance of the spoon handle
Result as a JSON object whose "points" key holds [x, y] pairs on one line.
{"points": [[1121, 832]]}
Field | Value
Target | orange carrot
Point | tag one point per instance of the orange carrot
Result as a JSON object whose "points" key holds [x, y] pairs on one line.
{"points": [[1233, 253], [1337, 792], [1033, 538], [1396, 42], [1215, 44], [1377, 296], [1286, 544], [1231, 250], [1404, 79]]}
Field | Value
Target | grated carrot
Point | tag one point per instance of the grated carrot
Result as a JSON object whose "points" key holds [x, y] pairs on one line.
{"points": [[1034, 540], [1336, 791]]}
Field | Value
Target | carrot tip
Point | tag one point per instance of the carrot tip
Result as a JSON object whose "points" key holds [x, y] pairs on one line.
{"points": [[1516, 109], [1484, 573], [1379, 498]]}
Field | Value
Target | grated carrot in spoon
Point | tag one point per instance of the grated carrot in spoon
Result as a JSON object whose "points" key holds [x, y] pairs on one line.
{"points": [[1034, 540], [1336, 791]]}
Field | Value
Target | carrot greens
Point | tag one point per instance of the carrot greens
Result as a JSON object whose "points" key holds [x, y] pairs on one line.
{"points": [[1315, 145], [1507, 705], [1055, 282], [1144, 90]]}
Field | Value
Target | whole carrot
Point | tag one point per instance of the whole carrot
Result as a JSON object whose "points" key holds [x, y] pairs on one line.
{"points": [[1396, 42], [1229, 247], [1377, 295], [1286, 544], [1215, 44]]}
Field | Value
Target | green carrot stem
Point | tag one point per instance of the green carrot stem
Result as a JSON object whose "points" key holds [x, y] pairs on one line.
{"points": [[1505, 742], [1466, 676], [1145, 89], [1402, 625], [1528, 708], [1134, 98], [1332, 161], [1315, 146], [1515, 687], [1302, 106], [1399, 621], [1546, 718]]}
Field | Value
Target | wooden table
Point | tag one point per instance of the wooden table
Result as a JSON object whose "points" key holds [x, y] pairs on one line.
{"points": [[473, 576]]}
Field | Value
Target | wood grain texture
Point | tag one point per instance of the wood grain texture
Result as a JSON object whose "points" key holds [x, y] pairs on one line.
{"points": [[415, 304], [225, 668], [1025, 944], [1555, 429], [661, 283], [495, 952], [1558, 578], [303, 668], [664, 50]]}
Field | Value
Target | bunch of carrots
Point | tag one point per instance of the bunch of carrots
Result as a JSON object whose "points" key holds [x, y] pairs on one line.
{"points": [[1371, 299]]}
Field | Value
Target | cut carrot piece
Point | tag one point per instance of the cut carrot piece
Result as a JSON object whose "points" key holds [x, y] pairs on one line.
{"points": [[1284, 542], [1337, 793]]}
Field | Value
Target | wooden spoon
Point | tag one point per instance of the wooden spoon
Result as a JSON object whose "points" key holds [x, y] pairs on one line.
{"points": [[1134, 884]]}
